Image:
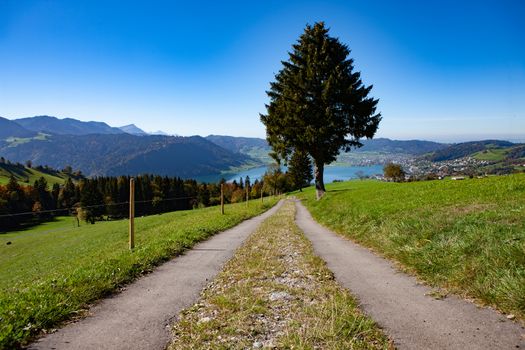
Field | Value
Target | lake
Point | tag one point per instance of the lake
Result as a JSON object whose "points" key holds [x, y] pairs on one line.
{"points": [[331, 173]]}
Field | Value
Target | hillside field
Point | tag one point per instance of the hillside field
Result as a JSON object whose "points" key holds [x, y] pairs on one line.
{"points": [[492, 154], [27, 176], [52, 272], [466, 237]]}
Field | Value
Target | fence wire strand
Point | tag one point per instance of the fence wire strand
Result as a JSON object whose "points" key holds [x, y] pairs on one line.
{"points": [[94, 206]]}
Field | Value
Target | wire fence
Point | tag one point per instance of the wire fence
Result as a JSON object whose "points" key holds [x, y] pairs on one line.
{"points": [[74, 208], [111, 211]]}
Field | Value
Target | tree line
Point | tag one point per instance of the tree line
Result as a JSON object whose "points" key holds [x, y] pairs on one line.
{"points": [[106, 198]]}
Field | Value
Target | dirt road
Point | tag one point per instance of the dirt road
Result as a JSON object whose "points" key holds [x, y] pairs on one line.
{"points": [[401, 305], [140, 317]]}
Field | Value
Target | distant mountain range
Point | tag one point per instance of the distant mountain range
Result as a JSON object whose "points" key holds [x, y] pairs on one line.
{"points": [[416, 147], [99, 149], [96, 149], [413, 147], [133, 130], [66, 126], [125, 154], [9, 128]]}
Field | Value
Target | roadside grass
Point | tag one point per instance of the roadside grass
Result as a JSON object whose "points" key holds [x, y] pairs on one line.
{"points": [[275, 293], [50, 273], [465, 236]]}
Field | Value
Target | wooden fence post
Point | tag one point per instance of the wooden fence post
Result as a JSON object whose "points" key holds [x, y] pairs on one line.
{"points": [[247, 195], [131, 213], [222, 199], [262, 201]]}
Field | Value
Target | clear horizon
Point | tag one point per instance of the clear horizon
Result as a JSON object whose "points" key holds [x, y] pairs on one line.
{"points": [[440, 72], [518, 138]]}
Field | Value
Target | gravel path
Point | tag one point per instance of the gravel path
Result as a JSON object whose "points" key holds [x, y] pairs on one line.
{"points": [[276, 294], [140, 316], [402, 306]]}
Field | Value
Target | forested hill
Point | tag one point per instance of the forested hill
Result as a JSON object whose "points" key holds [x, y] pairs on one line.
{"points": [[238, 144], [253, 147], [124, 154], [247, 145], [415, 147], [465, 149]]}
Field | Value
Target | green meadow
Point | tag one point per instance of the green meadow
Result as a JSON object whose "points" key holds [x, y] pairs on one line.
{"points": [[28, 176], [492, 154], [466, 237], [52, 272]]}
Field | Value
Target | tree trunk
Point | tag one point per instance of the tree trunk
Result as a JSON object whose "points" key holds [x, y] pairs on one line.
{"points": [[319, 182]]}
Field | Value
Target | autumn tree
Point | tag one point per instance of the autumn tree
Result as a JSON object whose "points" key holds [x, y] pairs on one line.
{"points": [[318, 104], [394, 172], [275, 181]]}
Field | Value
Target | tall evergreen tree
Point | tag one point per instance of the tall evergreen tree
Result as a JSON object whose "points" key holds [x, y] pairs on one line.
{"points": [[91, 200], [40, 194], [66, 197], [55, 191], [16, 197], [318, 104], [300, 170]]}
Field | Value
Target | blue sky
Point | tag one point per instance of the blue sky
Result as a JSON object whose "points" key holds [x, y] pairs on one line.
{"points": [[443, 70]]}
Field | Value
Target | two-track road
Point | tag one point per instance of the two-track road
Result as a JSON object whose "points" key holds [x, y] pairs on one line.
{"points": [[140, 316]]}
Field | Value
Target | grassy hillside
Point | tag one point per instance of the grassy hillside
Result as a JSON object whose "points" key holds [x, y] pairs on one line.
{"points": [[27, 176], [492, 154], [51, 272], [493, 150], [465, 236], [514, 154]]}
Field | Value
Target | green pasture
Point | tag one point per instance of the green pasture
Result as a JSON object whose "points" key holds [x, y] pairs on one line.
{"points": [[52, 272], [467, 236]]}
